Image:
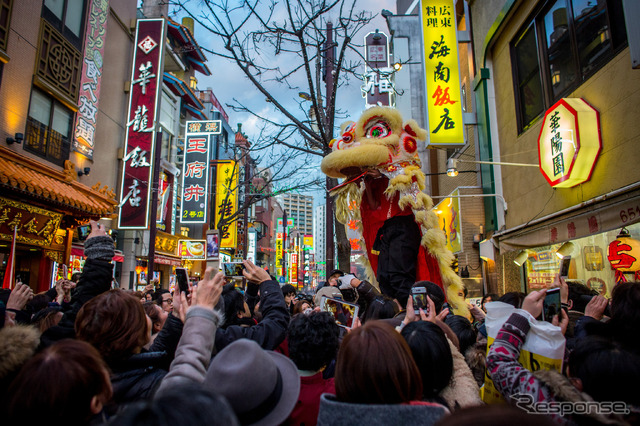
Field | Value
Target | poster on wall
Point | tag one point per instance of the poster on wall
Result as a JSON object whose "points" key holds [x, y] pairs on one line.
{"points": [[192, 249]]}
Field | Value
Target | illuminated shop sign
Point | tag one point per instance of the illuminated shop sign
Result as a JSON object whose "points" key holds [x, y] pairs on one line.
{"points": [[195, 172], [140, 135], [569, 143], [442, 72], [227, 202]]}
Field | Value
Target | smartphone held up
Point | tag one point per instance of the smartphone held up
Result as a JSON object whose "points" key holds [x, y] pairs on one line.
{"points": [[551, 305], [233, 269], [420, 300], [343, 312]]}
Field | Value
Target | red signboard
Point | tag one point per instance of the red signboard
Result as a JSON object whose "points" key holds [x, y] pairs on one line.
{"points": [[144, 98]]}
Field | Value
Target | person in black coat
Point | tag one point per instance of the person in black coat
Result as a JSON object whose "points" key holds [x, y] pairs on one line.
{"points": [[270, 332]]}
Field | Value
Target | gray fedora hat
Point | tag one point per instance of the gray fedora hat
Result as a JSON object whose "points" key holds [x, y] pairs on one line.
{"points": [[262, 386]]}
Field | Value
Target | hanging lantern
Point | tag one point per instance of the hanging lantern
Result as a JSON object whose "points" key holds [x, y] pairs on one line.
{"points": [[624, 255]]}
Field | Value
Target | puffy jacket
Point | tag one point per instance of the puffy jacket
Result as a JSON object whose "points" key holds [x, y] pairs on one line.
{"points": [[135, 378]]}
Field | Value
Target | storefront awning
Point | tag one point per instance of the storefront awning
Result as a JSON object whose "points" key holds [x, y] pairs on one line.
{"points": [[36, 180], [609, 214]]}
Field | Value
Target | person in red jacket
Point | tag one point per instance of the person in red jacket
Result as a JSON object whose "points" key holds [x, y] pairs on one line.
{"points": [[313, 343]]}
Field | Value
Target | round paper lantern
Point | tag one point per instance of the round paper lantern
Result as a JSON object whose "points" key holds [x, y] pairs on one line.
{"points": [[624, 253]]}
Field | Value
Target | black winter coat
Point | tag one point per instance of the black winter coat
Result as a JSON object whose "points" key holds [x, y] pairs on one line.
{"points": [[269, 332], [95, 280], [136, 378]]}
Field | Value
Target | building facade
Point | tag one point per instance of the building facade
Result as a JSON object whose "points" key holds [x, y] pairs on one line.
{"points": [[63, 68], [543, 66]]}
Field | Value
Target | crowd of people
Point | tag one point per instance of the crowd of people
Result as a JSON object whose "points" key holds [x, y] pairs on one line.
{"points": [[86, 354]]}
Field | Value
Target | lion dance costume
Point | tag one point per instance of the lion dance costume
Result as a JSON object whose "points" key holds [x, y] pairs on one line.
{"points": [[382, 200]]}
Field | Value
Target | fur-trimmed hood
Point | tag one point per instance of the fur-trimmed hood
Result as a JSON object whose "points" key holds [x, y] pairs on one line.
{"points": [[17, 345], [462, 391], [476, 357]]}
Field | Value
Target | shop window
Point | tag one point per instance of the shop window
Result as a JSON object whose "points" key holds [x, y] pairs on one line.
{"points": [[48, 128], [565, 43], [67, 17]]}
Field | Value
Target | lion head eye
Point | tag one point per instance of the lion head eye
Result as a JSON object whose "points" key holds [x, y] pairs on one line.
{"points": [[377, 130]]}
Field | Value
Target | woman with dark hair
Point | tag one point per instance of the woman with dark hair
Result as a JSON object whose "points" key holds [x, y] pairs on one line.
{"points": [[464, 331], [67, 382], [378, 380], [513, 298], [432, 354], [489, 297], [301, 306], [115, 323]]}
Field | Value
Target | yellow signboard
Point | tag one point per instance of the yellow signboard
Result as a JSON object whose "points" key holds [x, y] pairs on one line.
{"points": [[279, 253], [227, 201], [308, 240], [444, 106], [569, 142], [448, 212]]}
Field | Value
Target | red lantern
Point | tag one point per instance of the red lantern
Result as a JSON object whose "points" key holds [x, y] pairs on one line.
{"points": [[624, 255]]}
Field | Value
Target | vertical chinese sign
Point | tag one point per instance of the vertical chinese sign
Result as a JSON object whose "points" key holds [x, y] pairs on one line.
{"points": [[279, 253], [144, 98], [227, 174], [377, 87], [442, 72], [85, 125], [195, 170]]}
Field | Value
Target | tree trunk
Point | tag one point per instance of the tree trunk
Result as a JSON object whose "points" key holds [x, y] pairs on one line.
{"points": [[343, 247]]}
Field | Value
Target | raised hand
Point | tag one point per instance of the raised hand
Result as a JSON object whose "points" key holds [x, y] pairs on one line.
{"points": [[254, 273], [207, 293], [533, 302]]}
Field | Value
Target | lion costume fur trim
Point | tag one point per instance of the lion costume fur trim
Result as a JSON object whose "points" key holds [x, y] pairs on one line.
{"points": [[406, 179]]}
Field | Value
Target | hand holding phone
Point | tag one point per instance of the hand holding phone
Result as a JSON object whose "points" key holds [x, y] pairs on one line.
{"points": [[182, 278], [419, 299], [551, 305], [564, 267]]}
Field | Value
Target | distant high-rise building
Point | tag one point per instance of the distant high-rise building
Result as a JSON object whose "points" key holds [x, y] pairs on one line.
{"points": [[300, 209]]}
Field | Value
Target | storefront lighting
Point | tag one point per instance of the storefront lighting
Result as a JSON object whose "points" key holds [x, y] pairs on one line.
{"points": [[565, 250], [521, 258]]}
